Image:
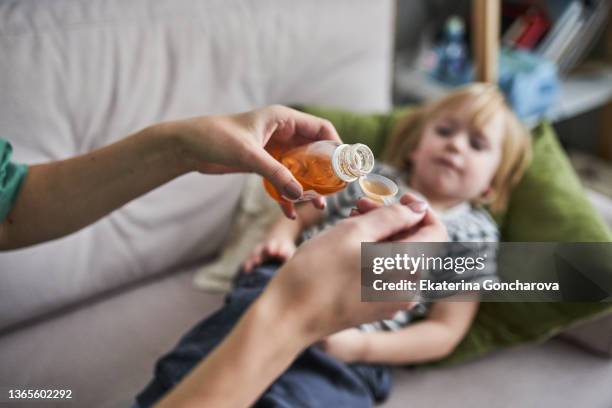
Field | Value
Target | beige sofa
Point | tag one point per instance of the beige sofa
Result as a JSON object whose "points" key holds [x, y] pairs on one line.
{"points": [[93, 311], [89, 312]]}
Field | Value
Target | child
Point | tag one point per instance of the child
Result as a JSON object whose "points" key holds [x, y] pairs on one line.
{"points": [[461, 152]]}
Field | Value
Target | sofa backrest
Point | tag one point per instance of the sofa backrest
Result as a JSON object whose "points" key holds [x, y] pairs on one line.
{"points": [[79, 74]]}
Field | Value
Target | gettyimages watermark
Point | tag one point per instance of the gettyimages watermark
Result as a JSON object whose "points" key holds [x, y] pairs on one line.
{"points": [[492, 272]]}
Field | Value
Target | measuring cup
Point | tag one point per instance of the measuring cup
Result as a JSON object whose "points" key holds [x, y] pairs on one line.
{"points": [[379, 188]]}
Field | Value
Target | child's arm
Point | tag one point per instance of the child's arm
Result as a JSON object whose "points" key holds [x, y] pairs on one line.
{"points": [[279, 243], [431, 339]]}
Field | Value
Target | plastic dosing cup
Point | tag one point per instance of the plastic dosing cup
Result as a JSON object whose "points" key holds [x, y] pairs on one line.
{"points": [[379, 188]]}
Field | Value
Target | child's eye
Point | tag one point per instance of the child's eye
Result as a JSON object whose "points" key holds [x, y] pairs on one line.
{"points": [[478, 143], [444, 130]]}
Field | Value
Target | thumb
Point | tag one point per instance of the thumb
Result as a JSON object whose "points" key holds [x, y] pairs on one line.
{"points": [[384, 222], [277, 174]]}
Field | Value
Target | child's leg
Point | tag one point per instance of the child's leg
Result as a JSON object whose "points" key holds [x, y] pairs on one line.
{"points": [[377, 377], [205, 336], [316, 379]]}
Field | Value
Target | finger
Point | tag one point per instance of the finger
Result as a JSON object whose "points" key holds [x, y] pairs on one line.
{"points": [[432, 230], [265, 253], [249, 262], [365, 205], [286, 252], [385, 222], [407, 198], [308, 127], [354, 212], [281, 251], [288, 209], [273, 248], [414, 202], [280, 177], [315, 128], [319, 203], [431, 218], [256, 254]]}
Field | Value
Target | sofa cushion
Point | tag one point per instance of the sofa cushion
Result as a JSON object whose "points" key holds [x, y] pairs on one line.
{"points": [[77, 75], [105, 352]]}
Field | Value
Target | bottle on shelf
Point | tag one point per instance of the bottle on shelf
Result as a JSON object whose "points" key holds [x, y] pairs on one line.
{"points": [[453, 66]]}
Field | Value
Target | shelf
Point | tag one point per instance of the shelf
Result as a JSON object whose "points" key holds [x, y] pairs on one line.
{"points": [[579, 93], [582, 92]]}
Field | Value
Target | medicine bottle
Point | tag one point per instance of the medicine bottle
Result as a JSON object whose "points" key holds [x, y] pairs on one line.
{"points": [[323, 167]]}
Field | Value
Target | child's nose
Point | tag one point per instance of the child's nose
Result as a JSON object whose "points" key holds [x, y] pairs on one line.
{"points": [[458, 143]]}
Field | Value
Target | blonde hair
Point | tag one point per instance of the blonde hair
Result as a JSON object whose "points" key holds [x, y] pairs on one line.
{"points": [[483, 101]]}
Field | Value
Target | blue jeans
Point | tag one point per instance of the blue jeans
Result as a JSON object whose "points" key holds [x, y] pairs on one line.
{"points": [[314, 379]]}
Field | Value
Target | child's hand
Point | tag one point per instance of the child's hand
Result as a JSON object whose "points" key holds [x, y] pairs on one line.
{"points": [[281, 248], [347, 345]]}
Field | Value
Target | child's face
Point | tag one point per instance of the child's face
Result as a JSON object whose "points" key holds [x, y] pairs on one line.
{"points": [[455, 162]]}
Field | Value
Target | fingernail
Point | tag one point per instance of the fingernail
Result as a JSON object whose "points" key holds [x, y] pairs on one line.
{"points": [[293, 191], [418, 206]]}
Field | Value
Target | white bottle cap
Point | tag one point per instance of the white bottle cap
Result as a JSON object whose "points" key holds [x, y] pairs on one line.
{"points": [[352, 161]]}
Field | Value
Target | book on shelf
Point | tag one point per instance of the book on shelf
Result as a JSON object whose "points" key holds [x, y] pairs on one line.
{"points": [[564, 28], [581, 45], [576, 24], [527, 28]]}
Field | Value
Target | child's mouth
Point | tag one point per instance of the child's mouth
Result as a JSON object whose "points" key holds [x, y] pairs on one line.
{"points": [[447, 163]]}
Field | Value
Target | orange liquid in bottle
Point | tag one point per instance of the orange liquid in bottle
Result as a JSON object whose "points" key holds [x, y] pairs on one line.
{"points": [[313, 171]]}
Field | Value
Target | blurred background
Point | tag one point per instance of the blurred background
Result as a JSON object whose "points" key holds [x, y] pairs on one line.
{"points": [[555, 63]]}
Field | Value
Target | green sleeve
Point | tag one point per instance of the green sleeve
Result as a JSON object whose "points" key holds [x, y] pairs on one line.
{"points": [[11, 177]]}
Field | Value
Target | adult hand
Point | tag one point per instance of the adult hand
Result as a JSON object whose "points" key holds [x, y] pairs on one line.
{"points": [[321, 283], [78, 191], [430, 229], [235, 143]]}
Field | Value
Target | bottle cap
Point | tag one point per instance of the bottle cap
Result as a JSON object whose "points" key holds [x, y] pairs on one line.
{"points": [[454, 25], [352, 161]]}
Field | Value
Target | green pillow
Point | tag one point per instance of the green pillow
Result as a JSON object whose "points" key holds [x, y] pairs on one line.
{"points": [[547, 205]]}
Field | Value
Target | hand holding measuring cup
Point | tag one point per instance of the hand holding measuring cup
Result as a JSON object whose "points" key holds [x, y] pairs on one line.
{"points": [[430, 229]]}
